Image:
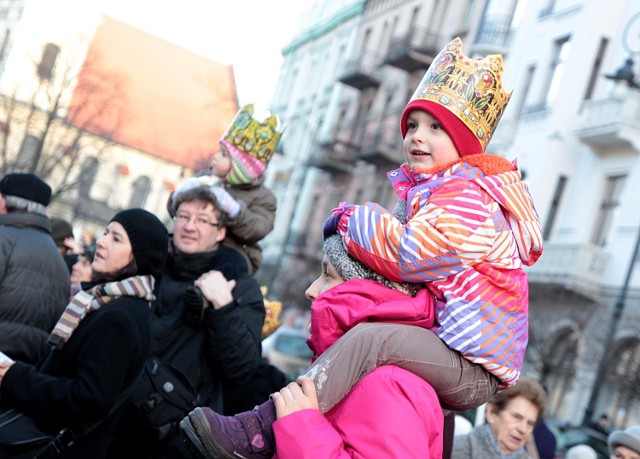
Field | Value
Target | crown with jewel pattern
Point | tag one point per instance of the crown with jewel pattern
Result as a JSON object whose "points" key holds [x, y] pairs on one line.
{"points": [[257, 139], [471, 89]]}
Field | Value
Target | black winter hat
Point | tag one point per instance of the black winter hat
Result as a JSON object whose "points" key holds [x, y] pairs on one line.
{"points": [[26, 186], [60, 230], [148, 237]]}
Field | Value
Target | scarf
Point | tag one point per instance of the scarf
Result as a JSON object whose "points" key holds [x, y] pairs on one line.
{"points": [[519, 453], [85, 302]]}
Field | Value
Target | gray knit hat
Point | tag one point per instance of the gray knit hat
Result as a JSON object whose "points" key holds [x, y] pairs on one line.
{"points": [[350, 268], [630, 437]]}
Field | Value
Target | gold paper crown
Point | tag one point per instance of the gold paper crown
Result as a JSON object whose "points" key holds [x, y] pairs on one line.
{"points": [[471, 89], [272, 309], [253, 137]]}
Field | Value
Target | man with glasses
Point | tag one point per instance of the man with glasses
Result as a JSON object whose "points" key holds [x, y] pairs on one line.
{"points": [[206, 323]]}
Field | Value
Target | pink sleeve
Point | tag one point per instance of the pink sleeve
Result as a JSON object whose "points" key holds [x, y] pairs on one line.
{"points": [[391, 413]]}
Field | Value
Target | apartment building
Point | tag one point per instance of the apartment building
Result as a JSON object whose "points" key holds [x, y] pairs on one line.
{"points": [[574, 131]]}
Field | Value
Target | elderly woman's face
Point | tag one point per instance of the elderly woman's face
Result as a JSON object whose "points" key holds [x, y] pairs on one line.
{"points": [[622, 452], [512, 426], [329, 278]]}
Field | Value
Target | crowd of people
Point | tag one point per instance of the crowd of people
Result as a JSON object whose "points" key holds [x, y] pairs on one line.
{"points": [[147, 344]]}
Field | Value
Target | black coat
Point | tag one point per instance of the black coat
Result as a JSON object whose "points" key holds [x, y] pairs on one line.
{"points": [[34, 285], [82, 382], [226, 347]]}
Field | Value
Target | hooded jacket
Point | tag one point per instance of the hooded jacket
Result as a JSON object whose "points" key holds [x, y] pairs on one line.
{"points": [[390, 413], [471, 227]]}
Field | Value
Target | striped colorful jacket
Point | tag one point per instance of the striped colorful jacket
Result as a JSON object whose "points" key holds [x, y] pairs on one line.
{"points": [[470, 229]]}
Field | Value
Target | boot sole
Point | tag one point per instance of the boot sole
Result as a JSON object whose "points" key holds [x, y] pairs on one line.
{"points": [[201, 428], [193, 442]]}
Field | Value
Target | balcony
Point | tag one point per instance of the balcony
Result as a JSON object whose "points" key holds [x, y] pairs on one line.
{"points": [[334, 155], [361, 72], [577, 267], [382, 143], [611, 123], [494, 36], [413, 51]]}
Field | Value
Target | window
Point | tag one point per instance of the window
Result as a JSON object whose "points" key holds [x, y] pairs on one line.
{"points": [[5, 45], [28, 153], [556, 70], [467, 11], [48, 61], [87, 177], [608, 208], [548, 9], [435, 18], [555, 204], [524, 100], [140, 191], [595, 70], [365, 40], [341, 53], [414, 18]]}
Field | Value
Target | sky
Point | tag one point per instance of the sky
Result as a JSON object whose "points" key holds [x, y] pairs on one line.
{"points": [[247, 34]]}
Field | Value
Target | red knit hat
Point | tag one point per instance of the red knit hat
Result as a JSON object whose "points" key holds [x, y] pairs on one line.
{"points": [[463, 139]]}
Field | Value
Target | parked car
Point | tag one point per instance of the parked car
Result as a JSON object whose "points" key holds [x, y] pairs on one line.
{"points": [[568, 436], [287, 350]]}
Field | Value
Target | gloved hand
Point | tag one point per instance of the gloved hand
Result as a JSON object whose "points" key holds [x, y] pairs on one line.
{"points": [[338, 218], [226, 201]]}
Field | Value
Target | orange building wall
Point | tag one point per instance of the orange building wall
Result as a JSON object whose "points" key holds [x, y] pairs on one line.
{"points": [[176, 104]]}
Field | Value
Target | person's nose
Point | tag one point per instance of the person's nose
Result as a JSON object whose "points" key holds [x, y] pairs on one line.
{"points": [[312, 291], [190, 224], [101, 242], [419, 136], [524, 428]]}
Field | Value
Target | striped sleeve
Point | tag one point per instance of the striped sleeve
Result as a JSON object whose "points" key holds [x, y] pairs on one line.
{"points": [[445, 233]]}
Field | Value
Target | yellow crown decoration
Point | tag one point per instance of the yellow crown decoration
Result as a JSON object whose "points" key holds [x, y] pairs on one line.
{"points": [[471, 89], [272, 310], [249, 135]]}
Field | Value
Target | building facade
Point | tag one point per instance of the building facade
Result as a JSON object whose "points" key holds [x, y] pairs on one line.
{"points": [[574, 132], [109, 115]]}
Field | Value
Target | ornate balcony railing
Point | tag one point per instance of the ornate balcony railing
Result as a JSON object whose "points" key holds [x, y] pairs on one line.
{"points": [[578, 267]]}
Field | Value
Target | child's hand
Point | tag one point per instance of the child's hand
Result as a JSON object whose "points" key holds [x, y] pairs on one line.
{"points": [[226, 201], [338, 216], [297, 396]]}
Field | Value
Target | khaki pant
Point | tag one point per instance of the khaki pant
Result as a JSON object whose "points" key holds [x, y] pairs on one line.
{"points": [[460, 384]]}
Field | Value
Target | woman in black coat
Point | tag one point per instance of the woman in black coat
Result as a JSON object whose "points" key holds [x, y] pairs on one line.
{"points": [[99, 345]]}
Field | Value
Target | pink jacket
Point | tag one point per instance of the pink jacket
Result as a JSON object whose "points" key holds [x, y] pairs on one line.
{"points": [[390, 413]]}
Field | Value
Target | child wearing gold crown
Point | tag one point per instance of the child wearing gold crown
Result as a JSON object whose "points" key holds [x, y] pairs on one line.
{"points": [[464, 228], [245, 151]]}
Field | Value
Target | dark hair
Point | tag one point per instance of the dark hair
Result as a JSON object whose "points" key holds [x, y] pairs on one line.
{"points": [[201, 193], [526, 388]]}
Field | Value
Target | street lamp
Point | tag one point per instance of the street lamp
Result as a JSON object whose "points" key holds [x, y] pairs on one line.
{"points": [[626, 75], [613, 328]]}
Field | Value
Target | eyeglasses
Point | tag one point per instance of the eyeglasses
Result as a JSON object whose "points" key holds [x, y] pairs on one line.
{"points": [[200, 222]]}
